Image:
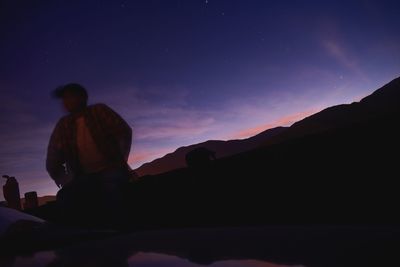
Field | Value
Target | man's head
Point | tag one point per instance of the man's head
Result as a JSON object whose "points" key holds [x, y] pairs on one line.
{"points": [[73, 95]]}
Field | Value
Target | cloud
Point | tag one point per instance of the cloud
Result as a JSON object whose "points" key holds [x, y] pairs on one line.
{"points": [[161, 127], [338, 52], [175, 128], [155, 117], [336, 45]]}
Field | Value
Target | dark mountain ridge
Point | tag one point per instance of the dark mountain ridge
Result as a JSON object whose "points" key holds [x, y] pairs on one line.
{"points": [[383, 100], [176, 159]]}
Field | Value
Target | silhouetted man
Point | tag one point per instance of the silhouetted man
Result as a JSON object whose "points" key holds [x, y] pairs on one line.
{"points": [[88, 151]]}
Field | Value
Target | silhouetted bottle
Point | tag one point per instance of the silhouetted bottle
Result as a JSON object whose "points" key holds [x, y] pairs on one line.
{"points": [[31, 200], [11, 193]]}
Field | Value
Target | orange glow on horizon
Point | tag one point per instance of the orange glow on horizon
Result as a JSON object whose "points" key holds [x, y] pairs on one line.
{"points": [[283, 121]]}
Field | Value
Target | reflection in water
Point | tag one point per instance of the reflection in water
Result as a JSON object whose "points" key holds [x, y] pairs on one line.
{"points": [[269, 246], [43, 258], [142, 259]]}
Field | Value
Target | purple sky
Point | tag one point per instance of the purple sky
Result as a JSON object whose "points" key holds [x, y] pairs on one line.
{"points": [[182, 72]]}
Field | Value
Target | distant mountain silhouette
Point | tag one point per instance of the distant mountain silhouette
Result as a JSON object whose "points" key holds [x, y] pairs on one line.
{"points": [[222, 149], [382, 101], [377, 104]]}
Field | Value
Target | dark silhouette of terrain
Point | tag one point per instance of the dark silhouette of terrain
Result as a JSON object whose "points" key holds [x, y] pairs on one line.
{"points": [[199, 157], [44, 199], [222, 149], [337, 166], [380, 102]]}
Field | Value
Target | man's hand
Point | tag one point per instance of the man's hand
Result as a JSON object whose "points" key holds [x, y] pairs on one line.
{"points": [[63, 180]]}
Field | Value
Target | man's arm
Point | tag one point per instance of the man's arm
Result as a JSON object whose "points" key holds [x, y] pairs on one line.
{"points": [[120, 129], [55, 159]]}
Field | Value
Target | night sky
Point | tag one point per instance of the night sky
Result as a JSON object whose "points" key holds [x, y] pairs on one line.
{"points": [[182, 72]]}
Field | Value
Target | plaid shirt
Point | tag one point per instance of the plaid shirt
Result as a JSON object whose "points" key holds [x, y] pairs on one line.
{"points": [[111, 133]]}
